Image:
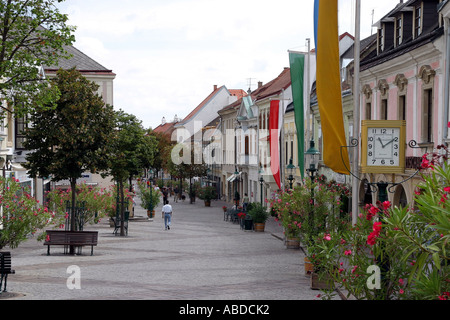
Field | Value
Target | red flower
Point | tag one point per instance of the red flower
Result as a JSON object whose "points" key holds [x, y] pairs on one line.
{"points": [[372, 238], [444, 296], [386, 205]]}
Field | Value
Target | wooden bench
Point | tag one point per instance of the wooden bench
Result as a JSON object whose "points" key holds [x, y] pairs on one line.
{"points": [[5, 268], [77, 239]]}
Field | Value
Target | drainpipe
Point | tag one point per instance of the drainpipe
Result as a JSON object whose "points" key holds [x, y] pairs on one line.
{"points": [[447, 81]]}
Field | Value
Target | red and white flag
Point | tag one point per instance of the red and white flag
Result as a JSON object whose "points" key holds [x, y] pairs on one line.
{"points": [[275, 124]]}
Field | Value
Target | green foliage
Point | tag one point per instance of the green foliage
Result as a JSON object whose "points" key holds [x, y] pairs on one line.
{"points": [[150, 198], [99, 202], [258, 213], [130, 149], [73, 137], [34, 34], [22, 215], [409, 245], [207, 193], [301, 216]]}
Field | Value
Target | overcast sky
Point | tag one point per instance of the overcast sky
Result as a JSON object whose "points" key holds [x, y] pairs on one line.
{"points": [[168, 54]]}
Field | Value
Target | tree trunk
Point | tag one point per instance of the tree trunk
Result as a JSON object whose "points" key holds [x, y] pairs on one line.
{"points": [[73, 186], [122, 209]]}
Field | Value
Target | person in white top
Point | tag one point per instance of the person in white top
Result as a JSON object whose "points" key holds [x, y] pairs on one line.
{"points": [[168, 211]]}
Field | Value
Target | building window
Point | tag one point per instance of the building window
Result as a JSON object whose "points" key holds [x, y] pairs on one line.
{"points": [[427, 116], [418, 21], [247, 145], [368, 111], [384, 109], [21, 125], [381, 39], [402, 107], [292, 151], [399, 31]]}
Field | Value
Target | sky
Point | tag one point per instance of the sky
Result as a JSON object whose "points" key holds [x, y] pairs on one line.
{"points": [[168, 54]]}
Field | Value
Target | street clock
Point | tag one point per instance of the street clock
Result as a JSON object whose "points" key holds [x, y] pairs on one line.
{"points": [[383, 146]]}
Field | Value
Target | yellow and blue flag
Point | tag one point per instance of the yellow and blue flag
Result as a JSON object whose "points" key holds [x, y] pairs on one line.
{"points": [[328, 85]]}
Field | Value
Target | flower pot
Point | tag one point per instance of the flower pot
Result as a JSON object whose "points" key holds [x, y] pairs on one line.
{"points": [[207, 203], [321, 282], [259, 227], [293, 243], [309, 268], [150, 214]]}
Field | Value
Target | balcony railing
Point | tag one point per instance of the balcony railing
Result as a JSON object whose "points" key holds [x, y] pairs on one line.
{"points": [[413, 163]]}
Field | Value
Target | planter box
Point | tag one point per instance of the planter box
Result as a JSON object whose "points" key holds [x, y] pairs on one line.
{"points": [[319, 282], [259, 227], [309, 267], [292, 243]]}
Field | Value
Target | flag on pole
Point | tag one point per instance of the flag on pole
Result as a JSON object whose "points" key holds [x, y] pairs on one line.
{"points": [[275, 124], [328, 84], [297, 64]]}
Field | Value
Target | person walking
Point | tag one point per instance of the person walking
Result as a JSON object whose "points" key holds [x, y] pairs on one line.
{"points": [[245, 202], [176, 194], [168, 211]]}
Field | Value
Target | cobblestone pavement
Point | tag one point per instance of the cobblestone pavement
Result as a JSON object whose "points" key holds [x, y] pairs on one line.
{"points": [[202, 257]]}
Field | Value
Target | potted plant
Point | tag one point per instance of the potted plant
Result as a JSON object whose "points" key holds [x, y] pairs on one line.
{"points": [[150, 198], [207, 194], [259, 215]]}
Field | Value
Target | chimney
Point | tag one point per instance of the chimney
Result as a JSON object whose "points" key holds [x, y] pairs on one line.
{"points": [[163, 121], [215, 87], [260, 84]]}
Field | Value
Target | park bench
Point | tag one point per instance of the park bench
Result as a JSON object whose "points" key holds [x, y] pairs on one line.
{"points": [[5, 268], [77, 239]]}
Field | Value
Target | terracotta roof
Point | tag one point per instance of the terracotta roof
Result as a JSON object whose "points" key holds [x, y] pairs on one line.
{"points": [[166, 128], [239, 93], [201, 105], [233, 92], [274, 87]]}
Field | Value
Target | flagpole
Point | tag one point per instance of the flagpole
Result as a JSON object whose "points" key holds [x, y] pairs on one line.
{"points": [[309, 133], [282, 161], [356, 112]]}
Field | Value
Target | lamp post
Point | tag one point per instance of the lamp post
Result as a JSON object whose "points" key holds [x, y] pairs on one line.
{"points": [[312, 153], [237, 196], [261, 182], [151, 191], [290, 169]]}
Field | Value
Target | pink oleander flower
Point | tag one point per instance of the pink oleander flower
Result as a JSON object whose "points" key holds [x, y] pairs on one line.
{"points": [[347, 252], [327, 237], [386, 205]]}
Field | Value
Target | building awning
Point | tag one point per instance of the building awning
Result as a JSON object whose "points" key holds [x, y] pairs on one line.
{"points": [[234, 177]]}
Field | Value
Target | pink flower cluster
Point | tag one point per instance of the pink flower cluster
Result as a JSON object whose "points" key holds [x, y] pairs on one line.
{"points": [[372, 238]]}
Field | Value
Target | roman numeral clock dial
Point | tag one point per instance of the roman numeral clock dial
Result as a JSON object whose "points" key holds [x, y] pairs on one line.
{"points": [[383, 146]]}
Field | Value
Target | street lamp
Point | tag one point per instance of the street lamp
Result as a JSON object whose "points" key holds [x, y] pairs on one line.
{"points": [[237, 197], [312, 153], [261, 182], [290, 170], [151, 191]]}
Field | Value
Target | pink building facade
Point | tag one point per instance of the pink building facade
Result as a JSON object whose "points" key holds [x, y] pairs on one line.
{"points": [[405, 79]]}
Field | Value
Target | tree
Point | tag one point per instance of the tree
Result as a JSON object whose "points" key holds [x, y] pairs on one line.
{"points": [[128, 153], [33, 34], [73, 137], [186, 169]]}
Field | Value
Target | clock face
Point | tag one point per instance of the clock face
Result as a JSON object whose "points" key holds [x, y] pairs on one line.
{"points": [[383, 147]]}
